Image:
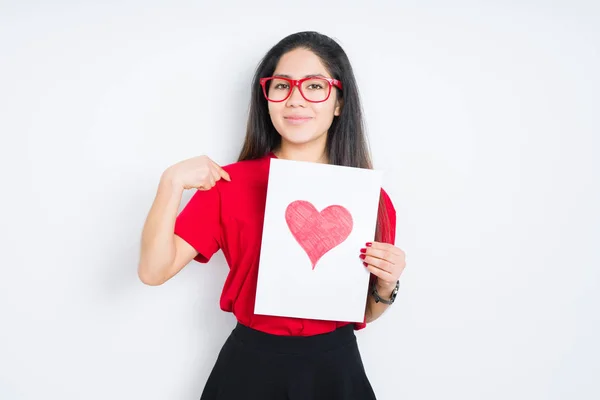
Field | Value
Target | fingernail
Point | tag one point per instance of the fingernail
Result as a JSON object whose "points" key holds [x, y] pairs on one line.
{"points": [[362, 256], [369, 244], [363, 250], [365, 264]]}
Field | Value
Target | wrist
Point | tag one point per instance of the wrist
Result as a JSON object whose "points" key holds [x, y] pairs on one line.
{"points": [[381, 294], [168, 181], [385, 289]]}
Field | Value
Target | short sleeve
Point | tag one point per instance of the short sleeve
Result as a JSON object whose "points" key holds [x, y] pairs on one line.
{"points": [[199, 223], [387, 219]]}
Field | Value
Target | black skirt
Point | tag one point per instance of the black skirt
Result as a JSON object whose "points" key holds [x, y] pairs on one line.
{"points": [[262, 366]]}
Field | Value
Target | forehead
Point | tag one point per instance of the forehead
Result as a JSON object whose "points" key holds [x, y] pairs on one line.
{"points": [[300, 62]]}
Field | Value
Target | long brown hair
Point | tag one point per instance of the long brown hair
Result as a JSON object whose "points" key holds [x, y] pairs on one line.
{"points": [[347, 144]]}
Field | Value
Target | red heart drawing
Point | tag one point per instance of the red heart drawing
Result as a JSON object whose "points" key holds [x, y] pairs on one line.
{"points": [[318, 232]]}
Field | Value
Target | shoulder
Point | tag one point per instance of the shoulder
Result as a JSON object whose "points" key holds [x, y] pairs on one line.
{"points": [[244, 174], [247, 166]]}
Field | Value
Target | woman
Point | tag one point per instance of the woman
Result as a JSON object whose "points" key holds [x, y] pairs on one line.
{"points": [[305, 106]]}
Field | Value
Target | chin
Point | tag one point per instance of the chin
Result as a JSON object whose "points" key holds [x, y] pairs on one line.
{"points": [[297, 141], [300, 142], [299, 137]]}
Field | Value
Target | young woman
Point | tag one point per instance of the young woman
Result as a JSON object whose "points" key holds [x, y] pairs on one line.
{"points": [[305, 106]]}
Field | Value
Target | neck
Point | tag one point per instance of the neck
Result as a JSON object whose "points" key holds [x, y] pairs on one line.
{"points": [[311, 152]]}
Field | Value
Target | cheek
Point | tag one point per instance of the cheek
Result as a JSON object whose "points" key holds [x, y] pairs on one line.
{"points": [[275, 109], [324, 111]]}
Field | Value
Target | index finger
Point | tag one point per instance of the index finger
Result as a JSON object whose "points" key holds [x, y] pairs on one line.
{"points": [[385, 246], [222, 172]]}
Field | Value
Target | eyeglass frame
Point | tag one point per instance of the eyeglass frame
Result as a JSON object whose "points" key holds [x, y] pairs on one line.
{"points": [[297, 83]]}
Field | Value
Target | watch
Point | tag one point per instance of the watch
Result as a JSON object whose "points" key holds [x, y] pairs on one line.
{"points": [[378, 298]]}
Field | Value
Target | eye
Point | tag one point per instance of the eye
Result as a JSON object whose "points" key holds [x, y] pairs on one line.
{"points": [[315, 86]]}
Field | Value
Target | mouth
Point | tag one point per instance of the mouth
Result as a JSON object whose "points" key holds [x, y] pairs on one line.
{"points": [[297, 120]]}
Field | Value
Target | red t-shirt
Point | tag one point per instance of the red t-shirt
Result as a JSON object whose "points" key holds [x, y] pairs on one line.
{"points": [[230, 217]]}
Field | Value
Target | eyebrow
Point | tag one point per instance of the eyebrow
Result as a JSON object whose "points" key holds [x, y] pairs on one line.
{"points": [[306, 76]]}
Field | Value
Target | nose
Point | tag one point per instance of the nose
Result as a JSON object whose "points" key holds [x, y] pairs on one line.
{"points": [[295, 98]]}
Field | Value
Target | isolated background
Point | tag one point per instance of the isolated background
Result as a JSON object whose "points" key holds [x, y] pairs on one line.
{"points": [[484, 115]]}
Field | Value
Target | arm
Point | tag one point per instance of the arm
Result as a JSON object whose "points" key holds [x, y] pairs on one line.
{"points": [[383, 260], [163, 254], [386, 263]]}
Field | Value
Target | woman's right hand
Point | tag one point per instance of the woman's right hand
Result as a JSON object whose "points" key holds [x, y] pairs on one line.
{"points": [[200, 173]]}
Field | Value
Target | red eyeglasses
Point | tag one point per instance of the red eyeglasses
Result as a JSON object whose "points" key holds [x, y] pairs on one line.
{"points": [[312, 89]]}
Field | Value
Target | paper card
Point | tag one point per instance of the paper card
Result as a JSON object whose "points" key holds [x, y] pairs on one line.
{"points": [[317, 218]]}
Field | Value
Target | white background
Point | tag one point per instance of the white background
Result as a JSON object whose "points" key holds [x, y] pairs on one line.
{"points": [[338, 284], [484, 113]]}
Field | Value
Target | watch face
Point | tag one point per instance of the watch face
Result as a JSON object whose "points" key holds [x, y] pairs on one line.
{"points": [[394, 292]]}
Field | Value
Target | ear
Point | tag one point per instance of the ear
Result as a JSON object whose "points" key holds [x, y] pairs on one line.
{"points": [[339, 104]]}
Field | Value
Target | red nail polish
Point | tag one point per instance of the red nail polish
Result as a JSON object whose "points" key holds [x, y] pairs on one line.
{"points": [[365, 264], [369, 244], [362, 256], [363, 250]]}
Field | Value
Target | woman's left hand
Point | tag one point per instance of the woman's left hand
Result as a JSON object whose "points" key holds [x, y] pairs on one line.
{"points": [[385, 261]]}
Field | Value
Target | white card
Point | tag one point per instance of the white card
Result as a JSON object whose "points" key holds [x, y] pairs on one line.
{"points": [[317, 218]]}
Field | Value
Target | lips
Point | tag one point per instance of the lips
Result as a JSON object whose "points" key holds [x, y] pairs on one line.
{"points": [[296, 120], [296, 117]]}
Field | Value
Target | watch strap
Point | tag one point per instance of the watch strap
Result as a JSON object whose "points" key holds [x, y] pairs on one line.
{"points": [[379, 299]]}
